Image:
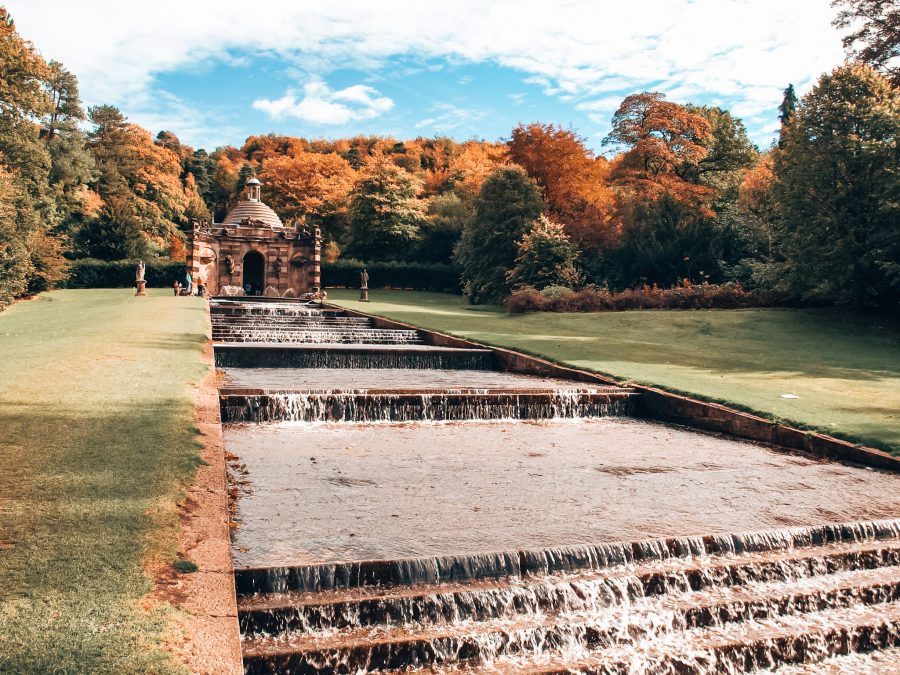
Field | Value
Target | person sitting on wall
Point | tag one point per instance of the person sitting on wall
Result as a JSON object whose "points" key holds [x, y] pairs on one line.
{"points": [[176, 287], [248, 289]]}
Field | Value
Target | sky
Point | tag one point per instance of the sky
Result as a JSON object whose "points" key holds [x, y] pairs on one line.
{"points": [[217, 72]]}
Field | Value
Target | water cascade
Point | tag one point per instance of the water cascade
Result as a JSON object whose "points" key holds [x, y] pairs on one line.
{"points": [[411, 406], [793, 599], [734, 603]]}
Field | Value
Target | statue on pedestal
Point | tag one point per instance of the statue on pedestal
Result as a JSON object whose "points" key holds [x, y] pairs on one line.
{"points": [[364, 286], [139, 282]]}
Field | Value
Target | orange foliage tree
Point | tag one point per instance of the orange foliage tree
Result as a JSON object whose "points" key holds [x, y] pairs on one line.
{"points": [[307, 184], [573, 181], [663, 141]]}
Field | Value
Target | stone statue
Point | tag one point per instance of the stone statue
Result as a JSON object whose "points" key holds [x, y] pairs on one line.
{"points": [[229, 264], [364, 286], [276, 267], [139, 283]]}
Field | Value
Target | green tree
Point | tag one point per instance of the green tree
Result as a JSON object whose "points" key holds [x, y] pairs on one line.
{"points": [[838, 188], [664, 241], [448, 214], [71, 163], [115, 234], [508, 202], [786, 111], [30, 258], [728, 148], [546, 257], [384, 215]]}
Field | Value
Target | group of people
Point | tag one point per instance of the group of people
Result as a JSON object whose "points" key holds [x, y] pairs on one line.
{"points": [[189, 287]]}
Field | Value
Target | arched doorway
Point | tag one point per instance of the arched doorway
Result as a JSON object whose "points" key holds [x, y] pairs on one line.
{"points": [[254, 272]]}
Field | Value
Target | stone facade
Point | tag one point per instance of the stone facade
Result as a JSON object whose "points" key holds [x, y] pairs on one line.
{"points": [[252, 246]]}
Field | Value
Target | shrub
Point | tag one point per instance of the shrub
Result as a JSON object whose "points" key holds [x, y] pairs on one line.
{"points": [[557, 292], [685, 296], [418, 276], [526, 300], [91, 273]]}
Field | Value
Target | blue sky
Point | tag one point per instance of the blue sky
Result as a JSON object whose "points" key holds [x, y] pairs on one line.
{"points": [[216, 72]]}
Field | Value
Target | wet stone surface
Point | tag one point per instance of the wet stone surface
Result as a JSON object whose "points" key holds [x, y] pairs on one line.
{"points": [[332, 379], [318, 493]]}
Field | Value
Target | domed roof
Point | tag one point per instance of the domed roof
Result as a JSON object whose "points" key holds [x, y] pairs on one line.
{"points": [[255, 210]]}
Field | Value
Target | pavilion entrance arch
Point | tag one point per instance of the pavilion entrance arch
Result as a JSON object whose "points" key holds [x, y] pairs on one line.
{"points": [[254, 272]]}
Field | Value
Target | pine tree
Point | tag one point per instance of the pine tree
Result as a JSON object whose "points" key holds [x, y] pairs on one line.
{"points": [[786, 111]]}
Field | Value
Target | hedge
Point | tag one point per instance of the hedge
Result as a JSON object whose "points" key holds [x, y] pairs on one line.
{"points": [[686, 296], [90, 273], [415, 276]]}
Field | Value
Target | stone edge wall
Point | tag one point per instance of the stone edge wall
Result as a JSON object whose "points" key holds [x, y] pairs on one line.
{"points": [[658, 404]]}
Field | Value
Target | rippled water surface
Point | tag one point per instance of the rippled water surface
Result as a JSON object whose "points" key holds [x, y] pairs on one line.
{"points": [[368, 378], [328, 492]]}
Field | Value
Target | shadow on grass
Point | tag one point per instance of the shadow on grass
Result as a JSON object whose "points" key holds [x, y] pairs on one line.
{"points": [[83, 493]]}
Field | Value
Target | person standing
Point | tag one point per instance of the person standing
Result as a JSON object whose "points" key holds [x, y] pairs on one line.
{"points": [[188, 283], [201, 286]]}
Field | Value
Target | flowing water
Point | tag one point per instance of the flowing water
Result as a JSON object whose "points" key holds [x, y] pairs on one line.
{"points": [[405, 508]]}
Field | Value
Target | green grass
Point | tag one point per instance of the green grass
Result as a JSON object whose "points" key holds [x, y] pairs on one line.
{"points": [[96, 445], [844, 367]]}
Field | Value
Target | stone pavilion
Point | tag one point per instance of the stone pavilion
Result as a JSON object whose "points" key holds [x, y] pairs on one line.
{"points": [[253, 249]]}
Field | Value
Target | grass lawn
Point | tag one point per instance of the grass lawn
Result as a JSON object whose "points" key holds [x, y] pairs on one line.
{"points": [[96, 443], [845, 368]]}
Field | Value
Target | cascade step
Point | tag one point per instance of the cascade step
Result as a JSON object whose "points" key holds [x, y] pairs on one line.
{"points": [[407, 406], [884, 662], [782, 543], [718, 624], [486, 600], [265, 355]]}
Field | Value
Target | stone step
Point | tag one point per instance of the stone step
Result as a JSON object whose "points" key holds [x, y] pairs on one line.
{"points": [[722, 626], [882, 662], [502, 599], [564, 559], [411, 406], [265, 355]]}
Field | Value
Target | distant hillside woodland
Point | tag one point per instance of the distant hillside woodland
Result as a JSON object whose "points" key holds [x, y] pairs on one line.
{"points": [[686, 199]]}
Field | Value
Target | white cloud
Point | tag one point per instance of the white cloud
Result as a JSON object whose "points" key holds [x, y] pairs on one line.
{"points": [[323, 106], [744, 50], [449, 118]]}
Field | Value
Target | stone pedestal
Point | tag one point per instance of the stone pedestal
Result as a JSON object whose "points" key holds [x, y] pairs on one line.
{"points": [[364, 294], [141, 287]]}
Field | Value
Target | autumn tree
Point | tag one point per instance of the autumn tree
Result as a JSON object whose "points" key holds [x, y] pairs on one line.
{"points": [[507, 204], [473, 162], [874, 36], [838, 191], [307, 184], [385, 215], [573, 181], [140, 184], [663, 142], [30, 253], [546, 257]]}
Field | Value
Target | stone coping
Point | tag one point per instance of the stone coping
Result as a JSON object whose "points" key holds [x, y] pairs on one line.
{"points": [[348, 347]]}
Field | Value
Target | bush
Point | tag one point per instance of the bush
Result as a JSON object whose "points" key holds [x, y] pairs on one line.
{"points": [[91, 273], [686, 296], [557, 292], [344, 272]]}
